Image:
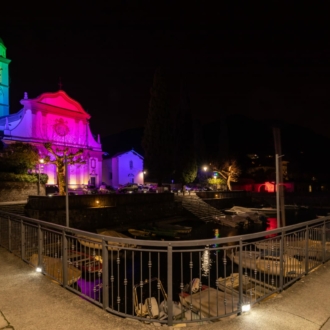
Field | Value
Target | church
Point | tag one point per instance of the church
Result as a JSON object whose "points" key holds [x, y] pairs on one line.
{"points": [[51, 118], [58, 119]]}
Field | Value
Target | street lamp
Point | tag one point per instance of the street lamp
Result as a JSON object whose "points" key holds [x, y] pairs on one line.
{"points": [[66, 192], [277, 167], [41, 161]]}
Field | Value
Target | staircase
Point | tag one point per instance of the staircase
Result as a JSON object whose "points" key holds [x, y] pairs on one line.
{"points": [[204, 211]]}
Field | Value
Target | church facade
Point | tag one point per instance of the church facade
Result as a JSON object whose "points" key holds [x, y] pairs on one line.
{"points": [[53, 118]]}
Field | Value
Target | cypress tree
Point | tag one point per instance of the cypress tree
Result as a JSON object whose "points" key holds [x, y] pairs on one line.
{"points": [[158, 134], [185, 163]]}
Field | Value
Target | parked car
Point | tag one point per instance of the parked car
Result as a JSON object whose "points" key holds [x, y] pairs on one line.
{"points": [[143, 188], [129, 188], [52, 190], [89, 190], [105, 189], [207, 189]]}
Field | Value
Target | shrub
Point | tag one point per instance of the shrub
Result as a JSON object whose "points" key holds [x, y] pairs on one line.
{"points": [[32, 177]]}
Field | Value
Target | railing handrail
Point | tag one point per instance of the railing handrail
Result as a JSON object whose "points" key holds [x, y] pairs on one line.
{"points": [[185, 243]]}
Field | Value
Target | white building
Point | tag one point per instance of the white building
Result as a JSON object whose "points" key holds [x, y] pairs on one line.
{"points": [[122, 168]]}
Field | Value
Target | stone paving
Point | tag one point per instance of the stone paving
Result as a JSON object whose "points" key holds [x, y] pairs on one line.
{"points": [[30, 301]]}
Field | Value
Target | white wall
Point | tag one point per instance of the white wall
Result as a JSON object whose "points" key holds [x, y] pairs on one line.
{"points": [[130, 168]]}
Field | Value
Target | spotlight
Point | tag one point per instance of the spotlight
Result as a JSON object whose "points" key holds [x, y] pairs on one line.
{"points": [[246, 308], [38, 269]]}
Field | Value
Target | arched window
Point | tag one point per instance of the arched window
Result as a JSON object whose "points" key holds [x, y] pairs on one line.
{"points": [[130, 164]]}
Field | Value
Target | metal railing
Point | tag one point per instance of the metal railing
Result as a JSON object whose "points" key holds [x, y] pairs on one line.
{"points": [[169, 281]]}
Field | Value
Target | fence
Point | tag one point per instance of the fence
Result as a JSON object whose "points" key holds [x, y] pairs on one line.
{"points": [[169, 282]]}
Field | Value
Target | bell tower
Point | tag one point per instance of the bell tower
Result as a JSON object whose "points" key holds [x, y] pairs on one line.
{"points": [[4, 81]]}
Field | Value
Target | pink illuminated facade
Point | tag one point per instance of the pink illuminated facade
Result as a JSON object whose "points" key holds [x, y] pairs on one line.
{"points": [[58, 119]]}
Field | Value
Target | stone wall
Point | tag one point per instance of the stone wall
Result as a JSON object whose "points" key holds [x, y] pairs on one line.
{"points": [[18, 191], [315, 199], [90, 212]]}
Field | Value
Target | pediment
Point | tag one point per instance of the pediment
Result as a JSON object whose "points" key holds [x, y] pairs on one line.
{"points": [[61, 100]]}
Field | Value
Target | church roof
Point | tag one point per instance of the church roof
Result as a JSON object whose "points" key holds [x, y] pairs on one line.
{"points": [[59, 102], [16, 117], [126, 152]]}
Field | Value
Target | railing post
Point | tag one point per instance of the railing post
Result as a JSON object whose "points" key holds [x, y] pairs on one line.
{"points": [[9, 233], [169, 284], [65, 258], [22, 240], [105, 274], [40, 244], [323, 242], [240, 277], [306, 250], [281, 260]]}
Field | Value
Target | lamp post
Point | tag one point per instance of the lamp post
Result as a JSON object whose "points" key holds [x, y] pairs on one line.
{"points": [[205, 175], [277, 167], [66, 192], [41, 161]]}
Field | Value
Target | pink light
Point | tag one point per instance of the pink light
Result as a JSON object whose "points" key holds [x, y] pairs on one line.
{"points": [[270, 187], [272, 224]]}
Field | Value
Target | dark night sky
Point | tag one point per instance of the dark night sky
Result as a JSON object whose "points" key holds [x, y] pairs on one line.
{"points": [[265, 62]]}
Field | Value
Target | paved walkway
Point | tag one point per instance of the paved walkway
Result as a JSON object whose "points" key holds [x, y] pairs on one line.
{"points": [[30, 301]]}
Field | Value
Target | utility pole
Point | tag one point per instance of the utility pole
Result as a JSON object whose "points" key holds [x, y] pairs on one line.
{"points": [[279, 179]]}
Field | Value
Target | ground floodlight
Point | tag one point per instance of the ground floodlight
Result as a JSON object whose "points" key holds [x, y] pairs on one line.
{"points": [[246, 308]]}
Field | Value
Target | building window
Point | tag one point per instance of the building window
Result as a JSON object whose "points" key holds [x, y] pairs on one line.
{"points": [[130, 164], [93, 163]]}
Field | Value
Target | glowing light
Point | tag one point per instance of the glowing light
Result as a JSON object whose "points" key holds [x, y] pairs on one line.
{"points": [[206, 261], [271, 224], [97, 202], [246, 308], [38, 269], [216, 235]]}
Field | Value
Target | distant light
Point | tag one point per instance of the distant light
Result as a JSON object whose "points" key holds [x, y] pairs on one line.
{"points": [[246, 308], [38, 269], [97, 202]]}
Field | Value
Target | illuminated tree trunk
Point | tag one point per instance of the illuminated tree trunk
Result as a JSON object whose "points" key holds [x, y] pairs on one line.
{"points": [[59, 162], [230, 175]]}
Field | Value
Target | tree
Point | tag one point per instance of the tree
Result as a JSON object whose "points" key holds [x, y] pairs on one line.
{"points": [[216, 181], [60, 156], [157, 140], [185, 163], [230, 172], [19, 158]]}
